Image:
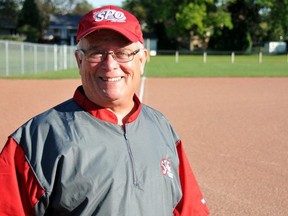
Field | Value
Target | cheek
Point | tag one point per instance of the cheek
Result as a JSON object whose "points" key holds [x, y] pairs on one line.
{"points": [[88, 69], [135, 75], [87, 74], [133, 69], [84, 72]]}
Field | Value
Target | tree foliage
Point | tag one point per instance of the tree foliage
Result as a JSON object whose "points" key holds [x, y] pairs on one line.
{"points": [[228, 24], [222, 24], [175, 21], [61, 6], [278, 20], [30, 21], [33, 17], [9, 9], [29, 14], [245, 18], [82, 8]]}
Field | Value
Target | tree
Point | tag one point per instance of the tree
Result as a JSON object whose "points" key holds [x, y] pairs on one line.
{"points": [[153, 16], [30, 21], [82, 7], [174, 21], [200, 19], [46, 8], [64, 6], [246, 27], [9, 9], [278, 20]]}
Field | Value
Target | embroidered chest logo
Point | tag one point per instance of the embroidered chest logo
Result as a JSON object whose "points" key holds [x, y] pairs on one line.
{"points": [[166, 167]]}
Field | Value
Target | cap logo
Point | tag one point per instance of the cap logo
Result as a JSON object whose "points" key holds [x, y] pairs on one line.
{"points": [[109, 15]]}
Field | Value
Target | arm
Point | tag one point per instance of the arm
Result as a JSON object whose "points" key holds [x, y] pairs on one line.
{"points": [[19, 188], [192, 202]]}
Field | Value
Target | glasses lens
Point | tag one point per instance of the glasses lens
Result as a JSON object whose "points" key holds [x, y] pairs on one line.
{"points": [[123, 55], [96, 56]]}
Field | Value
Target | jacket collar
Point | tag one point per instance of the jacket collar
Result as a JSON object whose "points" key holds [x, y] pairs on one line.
{"points": [[100, 112]]}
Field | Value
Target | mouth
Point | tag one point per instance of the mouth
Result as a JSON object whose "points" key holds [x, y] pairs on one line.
{"points": [[111, 79]]}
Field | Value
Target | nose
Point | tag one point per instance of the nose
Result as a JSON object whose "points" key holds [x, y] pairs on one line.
{"points": [[110, 63]]}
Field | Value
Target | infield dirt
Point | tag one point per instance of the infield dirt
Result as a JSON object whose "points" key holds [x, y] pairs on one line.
{"points": [[235, 132]]}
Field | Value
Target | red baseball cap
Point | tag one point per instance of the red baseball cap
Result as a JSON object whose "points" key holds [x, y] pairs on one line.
{"points": [[110, 17]]}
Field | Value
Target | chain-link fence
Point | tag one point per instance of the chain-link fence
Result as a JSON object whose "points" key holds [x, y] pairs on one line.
{"points": [[21, 58]]}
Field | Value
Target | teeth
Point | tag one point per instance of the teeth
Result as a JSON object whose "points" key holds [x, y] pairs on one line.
{"points": [[114, 79]]}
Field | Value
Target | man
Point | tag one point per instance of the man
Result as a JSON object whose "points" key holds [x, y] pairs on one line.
{"points": [[101, 152]]}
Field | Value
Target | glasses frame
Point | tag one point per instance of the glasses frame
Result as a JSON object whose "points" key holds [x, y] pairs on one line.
{"points": [[106, 53]]}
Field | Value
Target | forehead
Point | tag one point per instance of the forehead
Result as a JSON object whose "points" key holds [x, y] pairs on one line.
{"points": [[106, 37]]}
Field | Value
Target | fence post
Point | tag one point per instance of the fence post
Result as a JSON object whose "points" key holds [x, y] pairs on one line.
{"points": [[233, 57], [64, 56], [177, 56], [260, 57], [46, 57], [148, 48], [205, 57], [35, 58], [6, 58], [71, 57], [22, 58], [55, 57]]}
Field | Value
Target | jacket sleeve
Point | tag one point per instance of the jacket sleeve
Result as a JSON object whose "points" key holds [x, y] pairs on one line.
{"points": [[192, 202], [19, 188]]}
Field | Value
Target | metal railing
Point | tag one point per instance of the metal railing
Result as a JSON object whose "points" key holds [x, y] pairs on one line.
{"points": [[21, 58]]}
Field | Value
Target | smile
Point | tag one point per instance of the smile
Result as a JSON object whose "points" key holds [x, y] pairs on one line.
{"points": [[114, 79]]}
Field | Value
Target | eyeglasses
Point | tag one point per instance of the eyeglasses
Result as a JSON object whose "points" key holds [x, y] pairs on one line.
{"points": [[120, 55]]}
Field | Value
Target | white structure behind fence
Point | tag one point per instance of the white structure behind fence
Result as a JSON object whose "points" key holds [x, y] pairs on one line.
{"points": [[20, 58]]}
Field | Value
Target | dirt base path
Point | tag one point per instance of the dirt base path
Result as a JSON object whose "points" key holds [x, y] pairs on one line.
{"points": [[235, 133], [22, 99]]}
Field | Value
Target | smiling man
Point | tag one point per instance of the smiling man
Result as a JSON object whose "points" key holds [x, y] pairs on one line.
{"points": [[102, 152], [111, 67]]}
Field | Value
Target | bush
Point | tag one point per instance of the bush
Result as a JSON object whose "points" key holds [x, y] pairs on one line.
{"points": [[32, 34], [11, 38]]}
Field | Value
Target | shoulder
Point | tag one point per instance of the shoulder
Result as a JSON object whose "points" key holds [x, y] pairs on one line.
{"points": [[151, 112], [40, 123], [156, 117]]}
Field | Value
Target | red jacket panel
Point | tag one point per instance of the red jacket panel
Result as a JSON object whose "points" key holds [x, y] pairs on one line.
{"points": [[192, 202], [19, 189]]}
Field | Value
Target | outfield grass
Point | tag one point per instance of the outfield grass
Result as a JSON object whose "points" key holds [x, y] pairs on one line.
{"points": [[61, 74], [193, 66], [217, 66]]}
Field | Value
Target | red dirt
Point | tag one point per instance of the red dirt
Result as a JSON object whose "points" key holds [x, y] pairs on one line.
{"points": [[234, 131]]}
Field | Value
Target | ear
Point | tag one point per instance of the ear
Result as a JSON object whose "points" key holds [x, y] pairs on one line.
{"points": [[143, 60], [78, 57]]}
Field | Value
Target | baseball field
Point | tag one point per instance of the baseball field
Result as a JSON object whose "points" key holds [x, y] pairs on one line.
{"points": [[235, 132]]}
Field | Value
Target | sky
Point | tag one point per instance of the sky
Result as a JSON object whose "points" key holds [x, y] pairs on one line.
{"points": [[99, 3]]}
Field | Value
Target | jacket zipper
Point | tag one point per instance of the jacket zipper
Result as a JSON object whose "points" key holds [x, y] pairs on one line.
{"points": [[131, 160]]}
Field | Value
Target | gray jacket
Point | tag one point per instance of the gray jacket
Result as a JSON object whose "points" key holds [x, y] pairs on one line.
{"points": [[88, 166]]}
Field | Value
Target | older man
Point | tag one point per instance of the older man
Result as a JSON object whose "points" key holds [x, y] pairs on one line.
{"points": [[102, 152]]}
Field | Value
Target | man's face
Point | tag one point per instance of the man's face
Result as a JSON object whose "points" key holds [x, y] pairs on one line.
{"points": [[110, 83]]}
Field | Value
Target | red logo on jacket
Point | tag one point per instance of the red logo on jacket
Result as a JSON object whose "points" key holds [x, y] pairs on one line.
{"points": [[166, 167]]}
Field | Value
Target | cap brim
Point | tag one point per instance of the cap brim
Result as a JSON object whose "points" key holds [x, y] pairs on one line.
{"points": [[122, 31]]}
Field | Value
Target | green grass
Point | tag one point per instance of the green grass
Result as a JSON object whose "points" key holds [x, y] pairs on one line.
{"points": [[193, 66], [217, 66], [61, 74]]}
